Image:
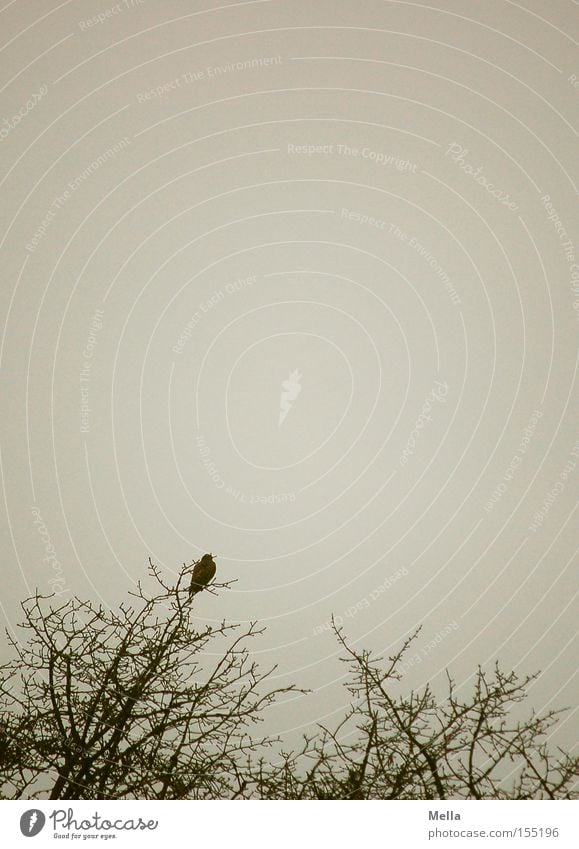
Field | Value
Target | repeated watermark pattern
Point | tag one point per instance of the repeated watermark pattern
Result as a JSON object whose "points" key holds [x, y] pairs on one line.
{"points": [[404, 198], [515, 462], [568, 248], [107, 14], [86, 372], [426, 651], [458, 155], [394, 230], [437, 395], [363, 603], [257, 63], [73, 186], [207, 305], [377, 157], [235, 492], [57, 581], [558, 486], [9, 124]]}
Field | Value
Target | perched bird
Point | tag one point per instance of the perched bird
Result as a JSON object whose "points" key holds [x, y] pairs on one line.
{"points": [[203, 572]]}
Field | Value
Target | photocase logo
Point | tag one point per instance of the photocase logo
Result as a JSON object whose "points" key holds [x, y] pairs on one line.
{"points": [[291, 388], [32, 822]]}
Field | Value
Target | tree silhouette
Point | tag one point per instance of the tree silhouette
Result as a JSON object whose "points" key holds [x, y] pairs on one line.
{"points": [[125, 704], [415, 747], [138, 703]]}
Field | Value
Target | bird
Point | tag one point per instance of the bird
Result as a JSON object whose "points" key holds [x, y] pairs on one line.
{"points": [[203, 572]]}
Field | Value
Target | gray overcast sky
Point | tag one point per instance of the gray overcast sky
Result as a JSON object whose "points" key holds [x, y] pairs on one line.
{"points": [[298, 284]]}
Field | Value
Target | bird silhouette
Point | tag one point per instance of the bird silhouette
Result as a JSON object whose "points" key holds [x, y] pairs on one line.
{"points": [[203, 572]]}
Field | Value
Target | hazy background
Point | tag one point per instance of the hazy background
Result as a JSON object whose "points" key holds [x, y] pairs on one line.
{"points": [[173, 250]]}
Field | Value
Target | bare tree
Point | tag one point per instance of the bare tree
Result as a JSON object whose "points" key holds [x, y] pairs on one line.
{"points": [[138, 703], [416, 747], [126, 704]]}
